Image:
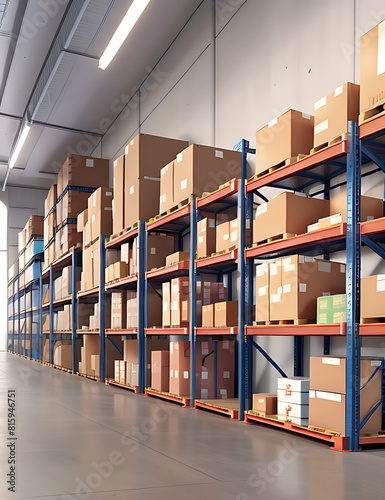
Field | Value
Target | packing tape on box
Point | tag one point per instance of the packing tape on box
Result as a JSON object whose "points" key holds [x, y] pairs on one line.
{"points": [[321, 127], [330, 396], [338, 91], [331, 361], [320, 103], [218, 154], [272, 122], [89, 162], [261, 209]]}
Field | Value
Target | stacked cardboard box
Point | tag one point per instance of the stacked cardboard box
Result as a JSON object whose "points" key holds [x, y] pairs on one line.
{"points": [[226, 314], [283, 138], [50, 224], [293, 400], [328, 393], [154, 308], [371, 208], [372, 297], [287, 213], [332, 113], [160, 370], [27, 245], [265, 403], [90, 352], [206, 238], [118, 310], [130, 356], [331, 309]]}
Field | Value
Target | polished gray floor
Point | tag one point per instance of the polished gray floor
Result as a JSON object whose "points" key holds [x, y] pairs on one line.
{"points": [[78, 439]]}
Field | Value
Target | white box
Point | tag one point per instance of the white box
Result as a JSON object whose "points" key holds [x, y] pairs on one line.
{"points": [[298, 398], [295, 420], [294, 384], [292, 410]]}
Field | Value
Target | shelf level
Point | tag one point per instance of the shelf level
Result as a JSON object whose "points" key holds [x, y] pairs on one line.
{"points": [[172, 220], [373, 127], [59, 264], [128, 331], [218, 262], [231, 330], [166, 331], [300, 330], [169, 272], [301, 242], [374, 226], [218, 195], [122, 239], [122, 283], [372, 330], [93, 292]]}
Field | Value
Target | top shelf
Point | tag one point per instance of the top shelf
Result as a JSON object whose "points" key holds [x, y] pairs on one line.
{"points": [[173, 222], [324, 165], [222, 198]]}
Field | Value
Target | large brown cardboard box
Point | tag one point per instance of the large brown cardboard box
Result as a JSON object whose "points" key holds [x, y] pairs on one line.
{"points": [[118, 202], [71, 205], [180, 368], [166, 301], [287, 136], [83, 171], [373, 296], [180, 302], [69, 237], [206, 238], [372, 68], [225, 369], [145, 156], [200, 169], [303, 280], [50, 201], [265, 403], [177, 257], [166, 199], [154, 308], [130, 355], [223, 237], [159, 247], [34, 227], [100, 212], [287, 213], [160, 370], [332, 113], [205, 370], [371, 208], [262, 293], [91, 345], [226, 314]]}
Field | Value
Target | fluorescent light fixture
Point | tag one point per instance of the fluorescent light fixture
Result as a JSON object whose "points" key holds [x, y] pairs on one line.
{"points": [[19, 144], [133, 14]]}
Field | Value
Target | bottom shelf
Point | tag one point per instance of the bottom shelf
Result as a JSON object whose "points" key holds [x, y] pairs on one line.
{"points": [[184, 400], [228, 407], [62, 368], [111, 381], [85, 375]]}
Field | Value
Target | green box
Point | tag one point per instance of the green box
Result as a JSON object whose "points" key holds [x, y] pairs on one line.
{"points": [[331, 309]]}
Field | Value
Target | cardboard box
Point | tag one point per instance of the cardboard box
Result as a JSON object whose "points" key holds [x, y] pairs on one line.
{"points": [[208, 316], [100, 212], [327, 411], [117, 371], [226, 314], [205, 370], [51, 199], [145, 156], [159, 247], [287, 213], [296, 284], [200, 169], [294, 384], [122, 372], [293, 397], [82, 220], [372, 69], [225, 369], [91, 345], [262, 293], [331, 309], [371, 208], [22, 240], [118, 201], [130, 355], [265, 403], [160, 370], [87, 281], [83, 171], [118, 310], [180, 302], [180, 368], [373, 296], [332, 113], [120, 270], [177, 257], [166, 199], [166, 301], [71, 205], [284, 137], [223, 237], [290, 410], [206, 238], [34, 227], [95, 263], [326, 222], [154, 308]]}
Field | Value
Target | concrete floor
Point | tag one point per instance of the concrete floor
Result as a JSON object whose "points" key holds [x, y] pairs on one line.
{"points": [[78, 439]]}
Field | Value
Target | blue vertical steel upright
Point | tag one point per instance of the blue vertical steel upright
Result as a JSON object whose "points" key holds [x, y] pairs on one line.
{"points": [[192, 294], [353, 267], [74, 307], [51, 295], [102, 312], [39, 332], [249, 300], [141, 290], [18, 316]]}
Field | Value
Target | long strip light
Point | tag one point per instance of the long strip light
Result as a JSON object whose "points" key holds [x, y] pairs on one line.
{"points": [[129, 20], [19, 145]]}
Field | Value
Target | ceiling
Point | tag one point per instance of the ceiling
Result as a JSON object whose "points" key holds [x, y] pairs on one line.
{"points": [[49, 74]]}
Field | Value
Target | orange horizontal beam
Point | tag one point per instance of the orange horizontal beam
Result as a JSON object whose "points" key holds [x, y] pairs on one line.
{"points": [[373, 226], [122, 282], [174, 216], [164, 271], [120, 240], [372, 127], [231, 330], [167, 331], [372, 330], [219, 195], [129, 331], [217, 259], [301, 330], [89, 293]]}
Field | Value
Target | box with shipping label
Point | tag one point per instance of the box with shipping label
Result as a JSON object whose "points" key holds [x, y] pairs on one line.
{"points": [[118, 310], [180, 368], [83, 171], [262, 293], [118, 199], [160, 370], [177, 257], [287, 213], [200, 169], [332, 113], [166, 198], [226, 314], [331, 309], [180, 302], [206, 238], [283, 137], [265, 403], [371, 208]]}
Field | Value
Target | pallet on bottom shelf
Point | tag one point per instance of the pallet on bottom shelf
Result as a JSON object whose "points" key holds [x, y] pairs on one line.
{"points": [[185, 400]]}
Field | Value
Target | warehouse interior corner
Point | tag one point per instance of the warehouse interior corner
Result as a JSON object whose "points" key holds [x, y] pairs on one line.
{"points": [[192, 222]]}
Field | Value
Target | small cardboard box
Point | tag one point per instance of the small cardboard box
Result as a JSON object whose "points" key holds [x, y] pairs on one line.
{"points": [[118, 200], [206, 238], [373, 296], [328, 222], [120, 270], [332, 113], [265, 403], [287, 213], [34, 227], [166, 199], [371, 208], [226, 314], [223, 237], [372, 68], [117, 371], [180, 302], [262, 293], [284, 137], [118, 310], [51, 199], [331, 309], [177, 257]]}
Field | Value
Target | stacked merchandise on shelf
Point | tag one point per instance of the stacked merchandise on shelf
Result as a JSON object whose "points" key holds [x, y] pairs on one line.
{"points": [[293, 400]]}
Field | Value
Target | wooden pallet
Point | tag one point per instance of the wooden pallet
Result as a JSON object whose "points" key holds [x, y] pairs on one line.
{"points": [[180, 205], [222, 186], [84, 375], [371, 114], [335, 140], [227, 407], [222, 252], [278, 237], [173, 398], [111, 381], [283, 322], [273, 168], [123, 231]]}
